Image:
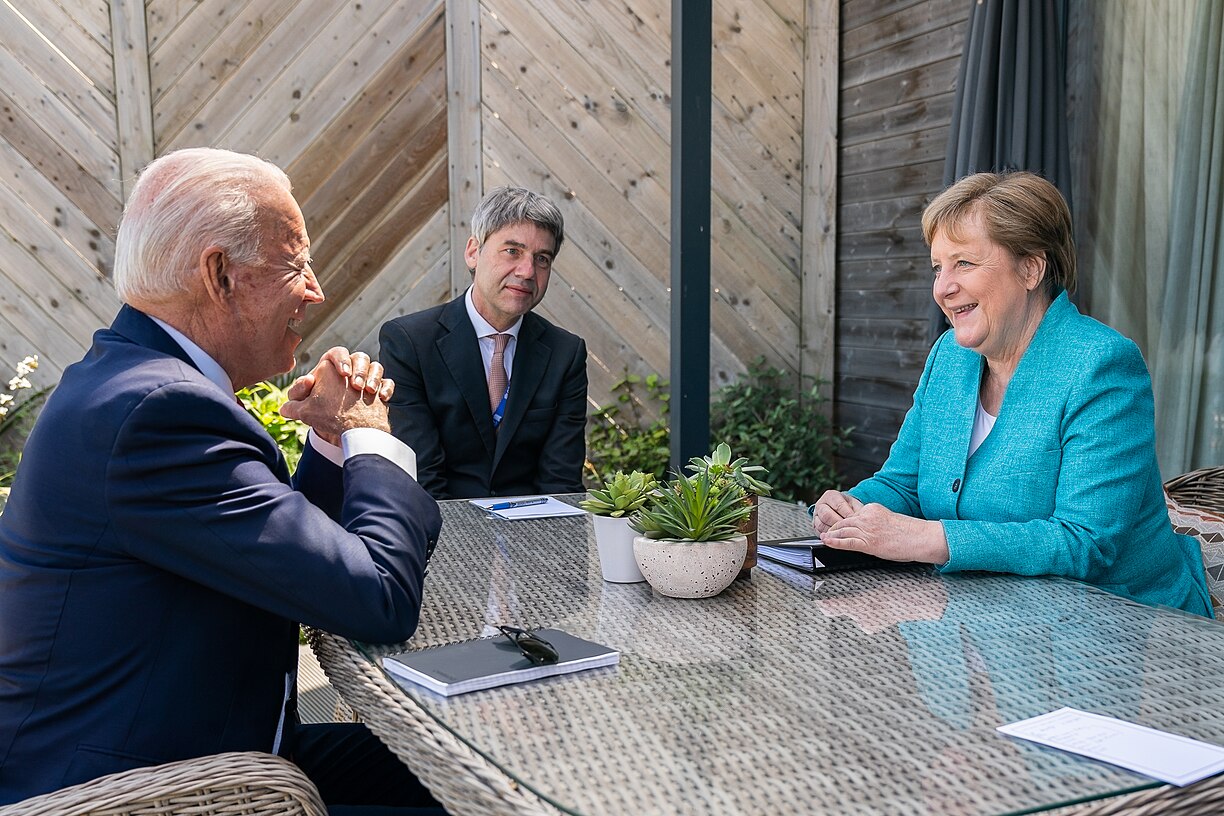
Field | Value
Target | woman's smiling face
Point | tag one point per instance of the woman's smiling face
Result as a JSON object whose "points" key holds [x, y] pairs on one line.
{"points": [[985, 291]]}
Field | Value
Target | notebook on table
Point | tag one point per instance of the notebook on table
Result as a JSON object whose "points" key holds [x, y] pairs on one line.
{"points": [[471, 665], [810, 555]]}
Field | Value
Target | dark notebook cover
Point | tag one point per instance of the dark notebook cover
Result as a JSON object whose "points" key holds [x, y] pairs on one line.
{"points": [[483, 663], [812, 556]]}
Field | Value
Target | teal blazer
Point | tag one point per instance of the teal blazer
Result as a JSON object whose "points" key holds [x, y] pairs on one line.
{"points": [[1065, 484]]}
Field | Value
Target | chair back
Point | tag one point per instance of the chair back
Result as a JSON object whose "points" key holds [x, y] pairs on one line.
{"points": [[1196, 508], [247, 782]]}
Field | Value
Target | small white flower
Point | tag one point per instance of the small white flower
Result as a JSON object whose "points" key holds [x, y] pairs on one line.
{"points": [[3, 411], [19, 382], [5, 399]]}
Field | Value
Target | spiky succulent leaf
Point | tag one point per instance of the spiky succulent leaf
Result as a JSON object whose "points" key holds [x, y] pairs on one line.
{"points": [[693, 508], [621, 495], [722, 468]]}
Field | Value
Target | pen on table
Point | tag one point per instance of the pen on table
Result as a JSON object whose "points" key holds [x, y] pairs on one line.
{"points": [[520, 503]]}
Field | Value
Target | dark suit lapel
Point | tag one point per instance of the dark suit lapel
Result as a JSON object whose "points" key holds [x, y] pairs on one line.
{"points": [[530, 362], [460, 351]]}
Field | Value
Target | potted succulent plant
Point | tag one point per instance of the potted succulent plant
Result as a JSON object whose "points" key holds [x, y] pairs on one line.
{"points": [[690, 544], [723, 469], [610, 508]]}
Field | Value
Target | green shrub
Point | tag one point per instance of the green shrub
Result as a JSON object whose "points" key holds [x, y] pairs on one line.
{"points": [[19, 405], [761, 417], [264, 400], [618, 438]]}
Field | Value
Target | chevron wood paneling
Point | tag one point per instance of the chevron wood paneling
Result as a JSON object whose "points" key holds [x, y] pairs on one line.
{"points": [[60, 192], [348, 97], [351, 98], [576, 105]]}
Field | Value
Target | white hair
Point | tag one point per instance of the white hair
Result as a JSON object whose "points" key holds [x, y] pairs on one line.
{"points": [[183, 203]]}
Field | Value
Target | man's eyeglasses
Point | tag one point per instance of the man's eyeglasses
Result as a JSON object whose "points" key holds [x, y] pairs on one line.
{"points": [[534, 648]]}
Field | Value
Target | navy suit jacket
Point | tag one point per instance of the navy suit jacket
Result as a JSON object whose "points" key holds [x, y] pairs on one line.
{"points": [[441, 405], [155, 559]]}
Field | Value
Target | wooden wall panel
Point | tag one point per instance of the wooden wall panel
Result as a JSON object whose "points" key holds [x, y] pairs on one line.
{"points": [[349, 98], [576, 105], [60, 186], [899, 63], [352, 99]]}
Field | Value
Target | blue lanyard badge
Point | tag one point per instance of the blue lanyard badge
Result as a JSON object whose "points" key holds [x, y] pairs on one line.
{"points": [[501, 408]]}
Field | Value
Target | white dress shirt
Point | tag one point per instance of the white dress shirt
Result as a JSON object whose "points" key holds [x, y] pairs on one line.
{"points": [[983, 424], [485, 332]]}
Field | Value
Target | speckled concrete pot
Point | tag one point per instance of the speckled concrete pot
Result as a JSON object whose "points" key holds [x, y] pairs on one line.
{"points": [[690, 569]]}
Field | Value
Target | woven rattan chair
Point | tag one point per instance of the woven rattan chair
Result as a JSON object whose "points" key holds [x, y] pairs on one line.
{"points": [[1199, 488], [462, 780], [233, 784], [1204, 798], [1196, 507]]}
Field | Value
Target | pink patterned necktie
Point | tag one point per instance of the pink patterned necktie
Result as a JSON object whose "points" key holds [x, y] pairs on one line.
{"points": [[497, 371]]}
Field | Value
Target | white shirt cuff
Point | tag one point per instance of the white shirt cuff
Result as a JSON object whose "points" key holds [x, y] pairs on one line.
{"points": [[367, 440]]}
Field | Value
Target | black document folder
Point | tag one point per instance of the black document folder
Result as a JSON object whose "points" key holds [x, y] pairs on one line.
{"points": [[471, 665], [810, 555]]}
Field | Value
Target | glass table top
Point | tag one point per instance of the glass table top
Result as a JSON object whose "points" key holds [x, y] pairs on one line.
{"points": [[871, 691]]}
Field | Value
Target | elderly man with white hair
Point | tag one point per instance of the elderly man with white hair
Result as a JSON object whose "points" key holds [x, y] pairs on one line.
{"points": [[156, 555]]}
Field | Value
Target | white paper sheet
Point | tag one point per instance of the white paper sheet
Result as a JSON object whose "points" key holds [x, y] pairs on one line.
{"points": [[1168, 757], [549, 508]]}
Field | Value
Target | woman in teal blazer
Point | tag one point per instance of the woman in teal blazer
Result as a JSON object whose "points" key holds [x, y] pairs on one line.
{"points": [[1030, 444]]}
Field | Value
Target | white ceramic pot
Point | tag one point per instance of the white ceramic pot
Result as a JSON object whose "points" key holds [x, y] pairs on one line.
{"points": [[614, 539], [690, 569]]}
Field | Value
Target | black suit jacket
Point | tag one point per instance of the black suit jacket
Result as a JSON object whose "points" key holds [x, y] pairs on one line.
{"points": [[156, 556], [441, 405]]}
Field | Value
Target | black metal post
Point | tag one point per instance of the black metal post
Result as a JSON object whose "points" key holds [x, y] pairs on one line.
{"points": [[692, 23]]}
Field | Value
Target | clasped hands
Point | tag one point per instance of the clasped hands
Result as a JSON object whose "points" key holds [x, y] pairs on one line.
{"points": [[343, 391], [845, 523]]}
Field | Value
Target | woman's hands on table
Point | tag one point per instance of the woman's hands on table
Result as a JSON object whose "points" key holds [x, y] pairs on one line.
{"points": [[845, 523]]}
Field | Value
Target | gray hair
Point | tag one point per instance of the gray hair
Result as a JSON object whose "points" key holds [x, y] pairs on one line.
{"points": [[505, 206], [183, 203]]}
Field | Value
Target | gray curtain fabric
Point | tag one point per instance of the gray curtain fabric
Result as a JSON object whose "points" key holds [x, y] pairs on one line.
{"points": [[1130, 66], [1149, 145], [1010, 106], [1188, 360]]}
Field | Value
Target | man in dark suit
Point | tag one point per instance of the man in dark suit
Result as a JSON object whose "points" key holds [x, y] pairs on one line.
{"points": [[155, 553], [491, 396]]}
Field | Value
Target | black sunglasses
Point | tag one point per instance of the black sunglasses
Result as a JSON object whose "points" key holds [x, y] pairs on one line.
{"points": [[534, 648]]}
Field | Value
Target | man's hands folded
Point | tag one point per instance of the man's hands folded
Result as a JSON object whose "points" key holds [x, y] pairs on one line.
{"points": [[342, 392]]}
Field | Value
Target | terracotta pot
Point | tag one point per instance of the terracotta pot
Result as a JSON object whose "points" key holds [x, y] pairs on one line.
{"points": [[749, 528], [690, 569]]}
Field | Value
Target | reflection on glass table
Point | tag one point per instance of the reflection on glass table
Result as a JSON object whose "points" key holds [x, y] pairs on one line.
{"points": [[874, 691]]}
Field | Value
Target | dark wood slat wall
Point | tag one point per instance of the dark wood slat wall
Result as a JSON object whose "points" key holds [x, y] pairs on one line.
{"points": [[899, 62]]}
